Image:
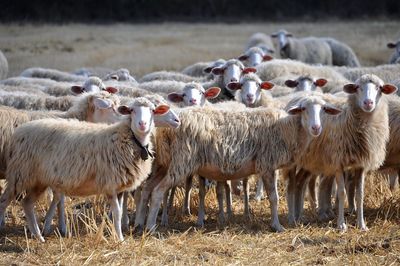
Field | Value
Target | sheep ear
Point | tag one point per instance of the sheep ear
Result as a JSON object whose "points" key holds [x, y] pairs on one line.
{"points": [[207, 70], [115, 77], [320, 82], [267, 58], [391, 45], [350, 88], [267, 85], [274, 35], [212, 92], [175, 97], [161, 109], [218, 70], [331, 110], [234, 86], [291, 83], [388, 89], [111, 90], [295, 110], [124, 110], [77, 89], [248, 70], [289, 34], [243, 57], [102, 103]]}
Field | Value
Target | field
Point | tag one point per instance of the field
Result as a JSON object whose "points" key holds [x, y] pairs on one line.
{"points": [[146, 48]]}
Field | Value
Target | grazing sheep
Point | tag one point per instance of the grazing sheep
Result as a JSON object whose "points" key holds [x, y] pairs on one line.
{"points": [[395, 57], [254, 56], [309, 50], [276, 69], [3, 66], [36, 164], [262, 41], [121, 74], [269, 139], [47, 73], [23, 100], [364, 121], [342, 54], [201, 69]]}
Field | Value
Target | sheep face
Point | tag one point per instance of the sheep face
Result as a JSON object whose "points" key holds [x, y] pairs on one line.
{"points": [[194, 95], [305, 83], [104, 111], [250, 90], [282, 37], [310, 111], [396, 46], [169, 119], [368, 90], [230, 73]]}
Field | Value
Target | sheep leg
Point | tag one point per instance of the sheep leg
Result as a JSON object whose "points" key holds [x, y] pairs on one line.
{"points": [[302, 179], [125, 216], [202, 196], [393, 180], [341, 223], [5, 200], [350, 190], [136, 195], [360, 177], [220, 197], [115, 202], [291, 195], [324, 198], [312, 197], [156, 198], [147, 189], [260, 190], [50, 213], [188, 190], [164, 216], [246, 189], [62, 227], [270, 183], [28, 205], [228, 195]]}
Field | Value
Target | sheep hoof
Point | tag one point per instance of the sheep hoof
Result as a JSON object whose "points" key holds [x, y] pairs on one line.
{"points": [[363, 227], [277, 228], [291, 221], [47, 231], [342, 227], [164, 222]]}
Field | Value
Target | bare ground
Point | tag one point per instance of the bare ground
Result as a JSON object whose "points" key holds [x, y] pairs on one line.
{"points": [[145, 48]]}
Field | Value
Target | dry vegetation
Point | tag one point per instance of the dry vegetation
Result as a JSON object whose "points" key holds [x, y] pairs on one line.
{"points": [[145, 48]]}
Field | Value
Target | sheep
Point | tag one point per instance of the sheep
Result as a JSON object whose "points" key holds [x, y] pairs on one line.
{"points": [[92, 71], [22, 100], [193, 94], [47, 73], [73, 172], [342, 54], [3, 66], [121, 74], [394, 58], [269, 139], [30, 89], [364, 121], [306, 83], [277, 68], [309, 50], [201, 69], [254, 56], [171, 75], [388, 72], [262, 41]]}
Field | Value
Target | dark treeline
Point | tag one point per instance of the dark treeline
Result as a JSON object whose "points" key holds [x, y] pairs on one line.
{"points": [[186, 10]]}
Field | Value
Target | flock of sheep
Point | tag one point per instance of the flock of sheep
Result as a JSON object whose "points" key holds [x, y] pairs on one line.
{"points": [[313, 115]]}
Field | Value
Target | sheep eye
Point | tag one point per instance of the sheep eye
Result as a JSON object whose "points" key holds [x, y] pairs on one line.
{"points": [[183, 95]]}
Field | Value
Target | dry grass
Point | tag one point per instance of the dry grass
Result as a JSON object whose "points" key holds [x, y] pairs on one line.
{"points": [[144, 48]]}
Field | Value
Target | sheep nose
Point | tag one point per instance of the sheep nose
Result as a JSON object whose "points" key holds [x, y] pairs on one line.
{"points": [[368, 103], [316, 127], [193, 101], [249, 96], [234, 80], [142, 123]]}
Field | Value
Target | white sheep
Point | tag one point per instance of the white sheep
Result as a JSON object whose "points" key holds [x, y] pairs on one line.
{"points": [[306, 83], [48, 73], [309, 50], [389, 72], [254, 56], [92, 71], [73, 172], [262, 41], [3, 66], [395, 57], [121, 74], [193, 94], [342, 54], [226, 145], [171, 75], [364, 121], [31, 89], [201, 69]]}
